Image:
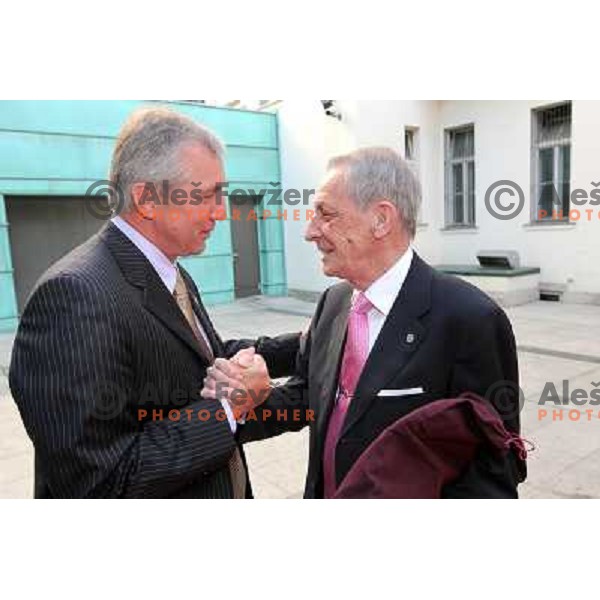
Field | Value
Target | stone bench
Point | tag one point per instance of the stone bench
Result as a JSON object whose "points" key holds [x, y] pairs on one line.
{"points": [[509, 287]]}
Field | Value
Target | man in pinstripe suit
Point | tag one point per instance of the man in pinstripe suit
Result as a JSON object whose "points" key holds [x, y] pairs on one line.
{"points": [[114, 342]]}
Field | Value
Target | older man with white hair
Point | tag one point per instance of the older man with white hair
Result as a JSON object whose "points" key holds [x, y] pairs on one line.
{"points": [[393, 337]]}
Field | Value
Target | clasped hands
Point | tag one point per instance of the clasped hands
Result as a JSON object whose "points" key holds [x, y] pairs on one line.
{"points": [[243, 381]]}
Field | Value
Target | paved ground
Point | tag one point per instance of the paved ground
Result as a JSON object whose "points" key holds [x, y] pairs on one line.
{"points": [[556, 342]]}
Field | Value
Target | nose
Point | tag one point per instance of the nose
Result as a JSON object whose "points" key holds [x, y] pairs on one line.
{"points": [[313, 231], [216, 212]]}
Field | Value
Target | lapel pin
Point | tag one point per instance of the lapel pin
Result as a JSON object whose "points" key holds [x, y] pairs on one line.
{"points": [[410, 338]]}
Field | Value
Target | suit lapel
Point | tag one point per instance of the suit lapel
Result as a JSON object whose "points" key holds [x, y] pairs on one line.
{"points": [[163, 306], [330, 362], [202, 315], [138, 271], [399, 339]]}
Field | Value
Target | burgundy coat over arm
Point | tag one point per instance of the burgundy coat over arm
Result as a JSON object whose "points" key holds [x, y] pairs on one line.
{"points": [[427, 449]]}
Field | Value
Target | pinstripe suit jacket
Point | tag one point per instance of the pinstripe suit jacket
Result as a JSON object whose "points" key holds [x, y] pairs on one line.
{"points": [[99, 340]]}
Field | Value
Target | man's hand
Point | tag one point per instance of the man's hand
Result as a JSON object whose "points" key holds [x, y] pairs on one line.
{"points": [[243, 381]]}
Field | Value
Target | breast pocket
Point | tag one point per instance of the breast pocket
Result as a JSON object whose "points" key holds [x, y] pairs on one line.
{"points": [[397, 403], [398, 393]]}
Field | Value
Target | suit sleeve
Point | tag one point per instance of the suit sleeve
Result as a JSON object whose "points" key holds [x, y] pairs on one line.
{"points": [[73, 378], [487, 365], [279, 352], [287, 397]]}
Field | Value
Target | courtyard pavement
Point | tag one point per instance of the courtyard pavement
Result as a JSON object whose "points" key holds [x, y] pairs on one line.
{"points": [[557, 342]]}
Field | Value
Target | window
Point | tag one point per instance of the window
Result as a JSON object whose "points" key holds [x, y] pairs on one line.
{"points": [[410, 144], [460, 177], [411, 148], [551, 162]]}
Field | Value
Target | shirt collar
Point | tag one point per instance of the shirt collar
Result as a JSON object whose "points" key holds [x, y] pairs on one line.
{"points": [[383, 292], [166, 270]]}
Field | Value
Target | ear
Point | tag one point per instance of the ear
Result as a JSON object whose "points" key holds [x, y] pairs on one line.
{"points": [[144, 198], [385, 217]]}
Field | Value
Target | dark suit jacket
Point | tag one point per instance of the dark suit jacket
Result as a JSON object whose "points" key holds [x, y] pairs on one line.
{"points": [[424, 451], [443, 335], [100, 338]]}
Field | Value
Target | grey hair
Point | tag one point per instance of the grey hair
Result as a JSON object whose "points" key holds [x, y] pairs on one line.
{"points": [[148, 146], [381, 173]]}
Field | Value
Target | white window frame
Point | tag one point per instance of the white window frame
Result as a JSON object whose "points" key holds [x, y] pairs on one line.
{"points": [[450, 162], [557, 165]]}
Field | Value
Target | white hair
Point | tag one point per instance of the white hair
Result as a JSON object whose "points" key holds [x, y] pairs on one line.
{"points": [[380, 173]]}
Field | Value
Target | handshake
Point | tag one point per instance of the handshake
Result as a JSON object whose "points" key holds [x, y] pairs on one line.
{"points": [[243, 381]]}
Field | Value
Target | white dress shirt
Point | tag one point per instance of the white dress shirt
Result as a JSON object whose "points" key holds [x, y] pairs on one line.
{"points": [[167, 271], [383, 292]]}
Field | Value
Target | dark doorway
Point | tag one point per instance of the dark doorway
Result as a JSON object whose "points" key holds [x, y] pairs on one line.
{"points": [[42, 230], [244, 238]]}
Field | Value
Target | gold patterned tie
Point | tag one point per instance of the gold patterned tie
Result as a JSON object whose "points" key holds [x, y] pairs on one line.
{"points": [[182, 297]]}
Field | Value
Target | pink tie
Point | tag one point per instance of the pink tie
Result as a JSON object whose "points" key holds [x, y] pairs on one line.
{"points": [[355, 356]]}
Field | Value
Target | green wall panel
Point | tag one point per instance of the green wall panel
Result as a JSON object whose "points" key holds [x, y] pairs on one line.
{"points": [[75, 117], [252, 164], [219, 242], [8, 305], [104, 118], [211, 273], [272, 268], [44, 187], [270, 234], [236, 127], [61, 147], [32, 156], [5, 260], [8, 325]]}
